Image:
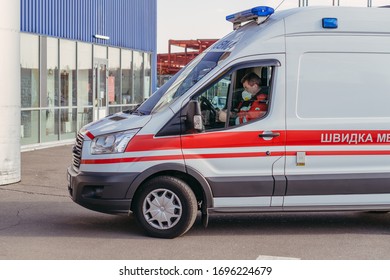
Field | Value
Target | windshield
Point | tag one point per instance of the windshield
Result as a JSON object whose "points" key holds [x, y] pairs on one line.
{"points": [[181, 82]]}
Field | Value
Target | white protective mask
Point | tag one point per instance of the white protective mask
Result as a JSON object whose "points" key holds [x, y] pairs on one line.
{"points": [[246, 95]]}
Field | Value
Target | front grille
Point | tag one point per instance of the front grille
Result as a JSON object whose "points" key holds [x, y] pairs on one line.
{"points": [[78, 146]]}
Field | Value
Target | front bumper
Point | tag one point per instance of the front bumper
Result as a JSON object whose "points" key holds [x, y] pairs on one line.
{"points": [[102, 192]]}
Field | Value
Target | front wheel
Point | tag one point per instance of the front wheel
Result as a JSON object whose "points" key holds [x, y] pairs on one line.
{"points": [[166, 207]]}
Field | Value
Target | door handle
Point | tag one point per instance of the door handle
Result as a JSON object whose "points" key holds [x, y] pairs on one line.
{"points": [[269, 134]]}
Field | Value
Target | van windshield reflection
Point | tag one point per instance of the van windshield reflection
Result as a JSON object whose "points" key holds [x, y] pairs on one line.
{"points": [[182, 82]]}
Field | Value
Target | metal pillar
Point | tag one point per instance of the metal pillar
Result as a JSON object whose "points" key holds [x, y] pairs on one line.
{"points": [[303, 3], [10, 92]]}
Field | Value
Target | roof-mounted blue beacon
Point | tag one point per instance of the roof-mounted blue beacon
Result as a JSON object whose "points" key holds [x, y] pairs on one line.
{"points": [[259, 14], [329, 23]]}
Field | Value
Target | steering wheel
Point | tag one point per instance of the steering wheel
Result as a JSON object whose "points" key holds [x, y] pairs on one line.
{"points": [[205, 105]]}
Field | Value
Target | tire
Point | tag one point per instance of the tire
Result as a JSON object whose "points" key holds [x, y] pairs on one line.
{"points": [[166, 207], [377, 212]]}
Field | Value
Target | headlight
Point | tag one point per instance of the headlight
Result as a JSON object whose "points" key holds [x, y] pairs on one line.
{"points": [[112, 143]]}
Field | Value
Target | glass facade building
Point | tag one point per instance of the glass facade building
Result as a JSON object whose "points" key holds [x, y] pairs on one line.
{"points": [[81, 60]]}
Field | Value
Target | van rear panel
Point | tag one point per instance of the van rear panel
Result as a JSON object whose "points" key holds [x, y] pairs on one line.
{"points": [[338, 120]]}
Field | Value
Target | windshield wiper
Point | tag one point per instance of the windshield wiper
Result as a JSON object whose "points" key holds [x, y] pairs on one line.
{"points": [[134, 111], [137, 112]]}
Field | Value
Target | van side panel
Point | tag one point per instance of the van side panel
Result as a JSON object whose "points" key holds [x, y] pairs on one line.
{"points": [[338, 120], [239, 165]]}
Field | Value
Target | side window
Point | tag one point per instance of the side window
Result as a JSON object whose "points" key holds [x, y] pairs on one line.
{"points": [[240, 97], [250, 96], [213, 101]]}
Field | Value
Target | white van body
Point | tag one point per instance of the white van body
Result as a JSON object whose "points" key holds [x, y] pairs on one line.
{"points": [[323, 144]]}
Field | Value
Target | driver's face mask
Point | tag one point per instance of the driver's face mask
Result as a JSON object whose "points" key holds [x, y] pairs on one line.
{"points": [[246, 95]]}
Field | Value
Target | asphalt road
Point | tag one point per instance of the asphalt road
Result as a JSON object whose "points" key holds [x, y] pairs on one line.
{"points": [[39, 221]]}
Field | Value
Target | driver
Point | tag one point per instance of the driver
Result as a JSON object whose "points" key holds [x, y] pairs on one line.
{"points": [[253, 103]]}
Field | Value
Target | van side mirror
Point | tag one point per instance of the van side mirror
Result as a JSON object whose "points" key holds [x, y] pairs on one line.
{"points": [[194, 117]]}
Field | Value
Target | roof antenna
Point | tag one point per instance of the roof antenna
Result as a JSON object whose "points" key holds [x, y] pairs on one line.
{"points": [[279, 4]]}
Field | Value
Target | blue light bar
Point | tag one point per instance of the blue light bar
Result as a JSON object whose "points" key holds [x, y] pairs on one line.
{"points": [[251, 14], [329, 23]]}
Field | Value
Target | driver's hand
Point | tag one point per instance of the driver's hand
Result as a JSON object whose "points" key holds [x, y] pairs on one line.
{"points": [[222, 116]]}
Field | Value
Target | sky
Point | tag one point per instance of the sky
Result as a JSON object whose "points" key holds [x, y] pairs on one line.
{"points": [[205, 19]]}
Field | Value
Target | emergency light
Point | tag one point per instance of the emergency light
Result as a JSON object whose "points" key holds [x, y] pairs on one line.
{"points": [[260, 14], [329, 23]]}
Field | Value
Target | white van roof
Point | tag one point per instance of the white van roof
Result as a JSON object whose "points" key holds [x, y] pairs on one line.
{"points": [[309, 19], [268, 36], [349, 19]]}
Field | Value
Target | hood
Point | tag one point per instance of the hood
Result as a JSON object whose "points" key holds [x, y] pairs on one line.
{"points": [[115, 123]]}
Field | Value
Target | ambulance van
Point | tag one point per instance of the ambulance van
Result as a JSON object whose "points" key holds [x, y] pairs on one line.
{"points": [[317, 140]]}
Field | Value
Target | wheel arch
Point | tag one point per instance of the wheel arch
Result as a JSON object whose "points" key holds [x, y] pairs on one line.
{"points": [[194, 179]]}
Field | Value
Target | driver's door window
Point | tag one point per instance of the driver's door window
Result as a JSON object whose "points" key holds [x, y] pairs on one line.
{"points": [[238, 98], [213, 101]]}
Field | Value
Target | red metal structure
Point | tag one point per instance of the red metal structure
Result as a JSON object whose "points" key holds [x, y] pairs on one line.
{"points": [[170, 63]]}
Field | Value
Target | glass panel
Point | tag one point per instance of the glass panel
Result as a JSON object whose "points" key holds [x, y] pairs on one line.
{"points": [[213, 103], [130, 107], [127, 81], [148, 75], [113, 110], [114, 94], [84, 116], [68, 123], [52, 82], [102, 86], [29, 129], [49, 125], [85, 75], [138, 77], [250, 96], [183, 80], [68, 73], [100, 52], [29, 66]]}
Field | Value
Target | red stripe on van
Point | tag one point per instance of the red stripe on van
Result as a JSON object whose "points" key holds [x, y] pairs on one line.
{"points": [[251, 139], [230, 155], [342, 153], [178, 157], [230, 140], [337, 137], [212, 140], [151, 143], [130, 159]]}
